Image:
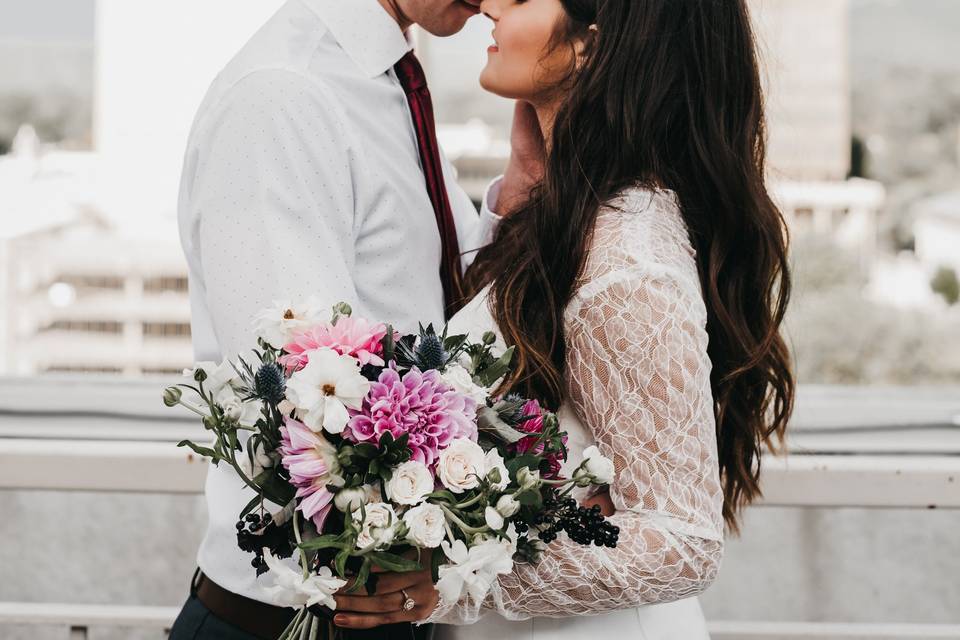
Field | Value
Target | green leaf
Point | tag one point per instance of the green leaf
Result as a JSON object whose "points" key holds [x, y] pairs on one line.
{"points": [[496, 370], [362, 577], [489, 420], [340, 563], [515, 464], [328, 541], [250, 506], [443, 494], [393, 562], [366, 450], [202, 451]]}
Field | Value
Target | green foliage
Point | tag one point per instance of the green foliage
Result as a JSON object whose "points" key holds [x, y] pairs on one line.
{"points": [[946, 283]]}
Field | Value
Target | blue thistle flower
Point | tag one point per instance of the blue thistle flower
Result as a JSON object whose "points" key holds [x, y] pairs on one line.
{"points": [[270, 383], [430, 352]]}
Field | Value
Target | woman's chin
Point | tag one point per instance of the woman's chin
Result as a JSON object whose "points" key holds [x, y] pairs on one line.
{"points": [[492, 83]]}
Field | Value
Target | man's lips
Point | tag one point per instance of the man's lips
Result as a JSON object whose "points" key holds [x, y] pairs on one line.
{"points": [[472, 5]]}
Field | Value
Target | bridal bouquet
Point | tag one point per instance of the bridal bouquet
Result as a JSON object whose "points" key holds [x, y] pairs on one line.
{"points": [[366, 448]]}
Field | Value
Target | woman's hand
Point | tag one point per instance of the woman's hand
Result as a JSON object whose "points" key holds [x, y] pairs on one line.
{"points": [[361, 611], [527, 159], [602, 499]]}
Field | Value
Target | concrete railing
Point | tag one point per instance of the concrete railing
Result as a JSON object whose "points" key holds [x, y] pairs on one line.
{"points": [[919, 472]]}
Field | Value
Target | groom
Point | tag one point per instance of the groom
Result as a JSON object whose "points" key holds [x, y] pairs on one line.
{"points": [[313, 169]]}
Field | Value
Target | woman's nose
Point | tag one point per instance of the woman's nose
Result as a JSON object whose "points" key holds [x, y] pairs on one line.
{"points": [[491, 9]]}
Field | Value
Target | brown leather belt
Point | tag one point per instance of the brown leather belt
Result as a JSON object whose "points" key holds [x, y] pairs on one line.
{"points": [[257, 618]]}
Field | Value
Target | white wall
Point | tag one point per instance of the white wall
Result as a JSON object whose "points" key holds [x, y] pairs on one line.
{"points": [[155, 61]]}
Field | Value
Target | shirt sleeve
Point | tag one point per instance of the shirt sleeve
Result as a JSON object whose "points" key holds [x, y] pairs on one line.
{"points": [[639, 378], [272, 199]]}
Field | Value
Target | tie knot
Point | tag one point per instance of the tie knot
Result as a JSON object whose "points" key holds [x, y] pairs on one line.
{"points": [[410, 73]]}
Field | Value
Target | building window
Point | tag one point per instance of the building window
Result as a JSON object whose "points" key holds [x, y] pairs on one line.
{"points": [[162, 371], [166, 329], [82, 369], [165, 284], [80, 281], [86, 326]]}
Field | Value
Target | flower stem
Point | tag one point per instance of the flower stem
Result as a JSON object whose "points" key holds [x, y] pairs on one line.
{"points": [[303, 554], [469, 503], [463, 525]]}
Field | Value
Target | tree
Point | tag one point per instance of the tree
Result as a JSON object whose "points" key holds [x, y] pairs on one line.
{"points": [[946, 283]]}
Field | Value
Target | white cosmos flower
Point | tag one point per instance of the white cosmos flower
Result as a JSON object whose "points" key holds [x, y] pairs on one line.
{"points": [[410, 483], [425, 525], [278, 324], [473, 569], [324, 389], [461, 464], [290, 589]]}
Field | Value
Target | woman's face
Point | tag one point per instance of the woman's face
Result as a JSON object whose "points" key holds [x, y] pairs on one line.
{"points": [[522, 63]]}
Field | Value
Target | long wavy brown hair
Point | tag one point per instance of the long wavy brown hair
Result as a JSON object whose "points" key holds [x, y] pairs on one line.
{"points": [[667, 93]]}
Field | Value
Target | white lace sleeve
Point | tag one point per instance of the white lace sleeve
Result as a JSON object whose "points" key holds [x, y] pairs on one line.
{"points": [[639, 377]]}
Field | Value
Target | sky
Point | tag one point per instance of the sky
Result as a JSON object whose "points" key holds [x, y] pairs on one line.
{"points": [[47, 19]]}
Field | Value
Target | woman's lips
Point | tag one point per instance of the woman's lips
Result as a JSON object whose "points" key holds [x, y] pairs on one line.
{"points": [[493, 49]]}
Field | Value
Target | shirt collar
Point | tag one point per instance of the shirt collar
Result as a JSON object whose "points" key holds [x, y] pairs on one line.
{"points": [[368, 34]]}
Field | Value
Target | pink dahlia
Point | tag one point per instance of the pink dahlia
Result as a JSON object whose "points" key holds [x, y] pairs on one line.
{"points": [[354, 337], [532, 413], [422, 405], [311, 461]]}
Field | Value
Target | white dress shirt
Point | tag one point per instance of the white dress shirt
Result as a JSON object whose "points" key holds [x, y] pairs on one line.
{"points": [[302, 178]]}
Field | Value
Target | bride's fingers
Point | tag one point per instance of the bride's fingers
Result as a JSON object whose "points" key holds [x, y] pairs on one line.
{"points": [[379, 603]]}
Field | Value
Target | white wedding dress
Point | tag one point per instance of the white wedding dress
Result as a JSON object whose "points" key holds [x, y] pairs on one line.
{"points": [[638, 386]]}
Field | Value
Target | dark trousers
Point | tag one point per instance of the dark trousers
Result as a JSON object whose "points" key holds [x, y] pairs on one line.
{"points": [[196, 622]]}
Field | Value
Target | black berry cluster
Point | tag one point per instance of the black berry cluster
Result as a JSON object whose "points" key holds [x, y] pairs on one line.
{"points": [[583, 525], [255, 532]]}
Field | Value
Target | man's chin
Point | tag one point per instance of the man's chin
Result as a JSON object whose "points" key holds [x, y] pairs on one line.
{"points": [[454, 20]]}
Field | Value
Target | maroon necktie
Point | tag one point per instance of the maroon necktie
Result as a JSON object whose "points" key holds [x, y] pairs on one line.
{"points": [[414, 83]]}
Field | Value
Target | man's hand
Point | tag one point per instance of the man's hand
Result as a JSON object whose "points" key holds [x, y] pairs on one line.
{"points": [[527, 159], [361, 611]]}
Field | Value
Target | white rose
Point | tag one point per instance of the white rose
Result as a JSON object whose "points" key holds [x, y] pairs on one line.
{"points": [[410, 483], [349, 500], [461, 380], [460, 465], [507, 506], [494, 461], [597, 466], [378, 527], [425, 525], [494, 519]]}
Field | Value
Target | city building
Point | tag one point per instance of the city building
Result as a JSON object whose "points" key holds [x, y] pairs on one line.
{"points": [[92, 277]]}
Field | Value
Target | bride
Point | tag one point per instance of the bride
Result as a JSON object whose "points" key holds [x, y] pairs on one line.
{"points": [[642, 277]]}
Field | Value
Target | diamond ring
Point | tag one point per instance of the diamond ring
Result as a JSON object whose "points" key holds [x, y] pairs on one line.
{"points": [[408, 602]]}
